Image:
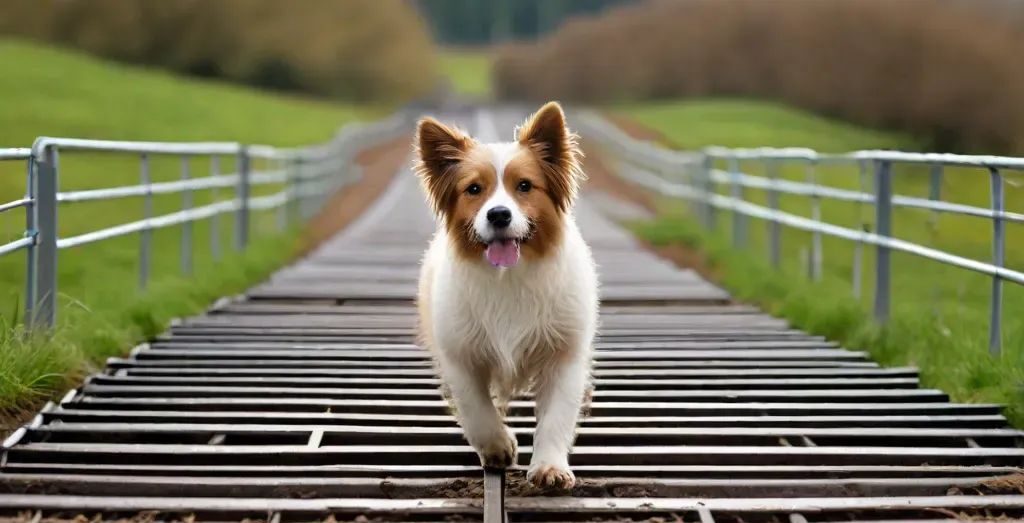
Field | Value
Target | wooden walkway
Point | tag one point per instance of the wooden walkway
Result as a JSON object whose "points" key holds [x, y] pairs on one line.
{"points": [[306, 397]]}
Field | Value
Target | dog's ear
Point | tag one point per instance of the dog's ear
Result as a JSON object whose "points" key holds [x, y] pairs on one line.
{"points": [[439, 149], [548, 136]]}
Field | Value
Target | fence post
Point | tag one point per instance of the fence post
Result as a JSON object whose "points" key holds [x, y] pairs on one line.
{"points": [[858, 247], [282, 165], [186, 226], [31, 230], [816, 247], [739, 220], [294, 187], [774, 228], [145, 235], [935, 194], [883, 224], [995, 338], [708, 188], [214, 218], [44, 312], [242, 197], [686, 169]]}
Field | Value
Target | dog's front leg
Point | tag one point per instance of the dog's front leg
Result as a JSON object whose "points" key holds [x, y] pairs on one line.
{"points": [[481, 422], [559, 396]]}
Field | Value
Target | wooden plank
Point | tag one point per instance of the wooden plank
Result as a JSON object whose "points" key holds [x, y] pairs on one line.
{"points": [[609, 324], [710, 361], [299, 374], [382, 419], [249, 307], [639, 395], [677, 408], [687, 333], [406, 273], [456, 471], [676, 352], [675, 293], [812, 505], [493, 487], [464, 455], [586, 435], [258, 507], [515, 506], [344, 343], [601, 383]]}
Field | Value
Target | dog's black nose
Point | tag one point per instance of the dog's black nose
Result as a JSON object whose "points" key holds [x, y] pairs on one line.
{"points": [[500, 217]]}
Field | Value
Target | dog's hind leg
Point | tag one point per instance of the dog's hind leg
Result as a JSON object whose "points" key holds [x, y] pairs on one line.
{"points": [[559, 396], [481, 422]]}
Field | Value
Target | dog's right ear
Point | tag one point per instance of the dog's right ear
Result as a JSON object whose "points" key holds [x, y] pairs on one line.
{"points": [[439, 147]]}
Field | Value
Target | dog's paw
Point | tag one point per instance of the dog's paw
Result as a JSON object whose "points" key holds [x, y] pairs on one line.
{"points": [[546, 475], [500, 451]]}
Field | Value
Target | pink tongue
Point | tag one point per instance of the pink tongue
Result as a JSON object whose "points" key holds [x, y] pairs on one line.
{"points": [[504, 253]]}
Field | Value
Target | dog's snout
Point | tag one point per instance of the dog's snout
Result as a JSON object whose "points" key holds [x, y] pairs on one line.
{"points": [[499, 217]]}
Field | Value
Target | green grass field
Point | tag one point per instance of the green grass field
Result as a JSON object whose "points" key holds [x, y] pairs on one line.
{"points": [[102, 312], [469, 71], [939, 313]]}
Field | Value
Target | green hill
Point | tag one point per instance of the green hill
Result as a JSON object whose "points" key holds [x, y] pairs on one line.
{"points": [[53, 92]]}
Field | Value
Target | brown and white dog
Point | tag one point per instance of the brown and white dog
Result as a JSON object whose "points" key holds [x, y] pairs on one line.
{"points": [[508, 292]]}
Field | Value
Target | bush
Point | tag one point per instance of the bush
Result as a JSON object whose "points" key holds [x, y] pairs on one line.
{"points": [[354, 49], [941, 70]]}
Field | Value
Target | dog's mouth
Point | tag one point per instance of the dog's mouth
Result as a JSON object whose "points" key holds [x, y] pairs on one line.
{"points": [[503, 252]]}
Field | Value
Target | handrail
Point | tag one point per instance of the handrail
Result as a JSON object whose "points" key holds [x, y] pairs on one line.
{"points": [[693, 176], [306, 176]]}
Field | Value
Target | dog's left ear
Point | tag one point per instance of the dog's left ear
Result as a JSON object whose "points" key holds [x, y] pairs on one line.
{"points": [[548, 136]]}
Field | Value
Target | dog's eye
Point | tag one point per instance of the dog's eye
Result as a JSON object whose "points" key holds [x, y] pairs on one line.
{"points": [[524, 186], [473, 189]]}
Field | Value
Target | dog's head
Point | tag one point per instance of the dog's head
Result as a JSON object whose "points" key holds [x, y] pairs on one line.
{"points": [[502, 201]]}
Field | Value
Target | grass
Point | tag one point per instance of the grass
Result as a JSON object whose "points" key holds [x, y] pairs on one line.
{"points": [[102, 311], [469, 71], [939, 319]]}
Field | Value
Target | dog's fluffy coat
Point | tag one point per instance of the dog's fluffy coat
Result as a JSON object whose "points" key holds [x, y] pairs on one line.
{"points": [[498, 331]]}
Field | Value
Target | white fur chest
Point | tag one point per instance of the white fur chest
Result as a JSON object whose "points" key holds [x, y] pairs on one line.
{"points": [[512, 321]]}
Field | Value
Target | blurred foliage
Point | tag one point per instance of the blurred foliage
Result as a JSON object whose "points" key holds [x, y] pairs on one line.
{"points": [[476, 22], [352, 49], [942, 70]]}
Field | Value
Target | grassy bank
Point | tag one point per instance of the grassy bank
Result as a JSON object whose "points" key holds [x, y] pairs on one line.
{"points": [[939, 313], [468, 71], [102, 312]]}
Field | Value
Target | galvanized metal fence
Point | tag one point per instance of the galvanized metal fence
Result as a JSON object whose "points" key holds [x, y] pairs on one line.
{"points": [[699, 177], [306, 177]]}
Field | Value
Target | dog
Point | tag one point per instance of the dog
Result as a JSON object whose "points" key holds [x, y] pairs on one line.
{"points": [[508, 291]]}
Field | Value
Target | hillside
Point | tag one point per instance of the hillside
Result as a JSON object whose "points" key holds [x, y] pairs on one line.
{"points": [[61, 93], [939, 313]]}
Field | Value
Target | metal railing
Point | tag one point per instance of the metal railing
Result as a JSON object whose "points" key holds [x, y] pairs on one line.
{"points": [[305, 176], [695, 176]]}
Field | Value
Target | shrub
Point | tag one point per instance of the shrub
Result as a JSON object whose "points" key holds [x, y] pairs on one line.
{"points": [[355, 49], [941, 70]]}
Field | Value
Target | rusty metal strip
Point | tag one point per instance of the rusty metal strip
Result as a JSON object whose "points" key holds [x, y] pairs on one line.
{"points": [[494, 496]]}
